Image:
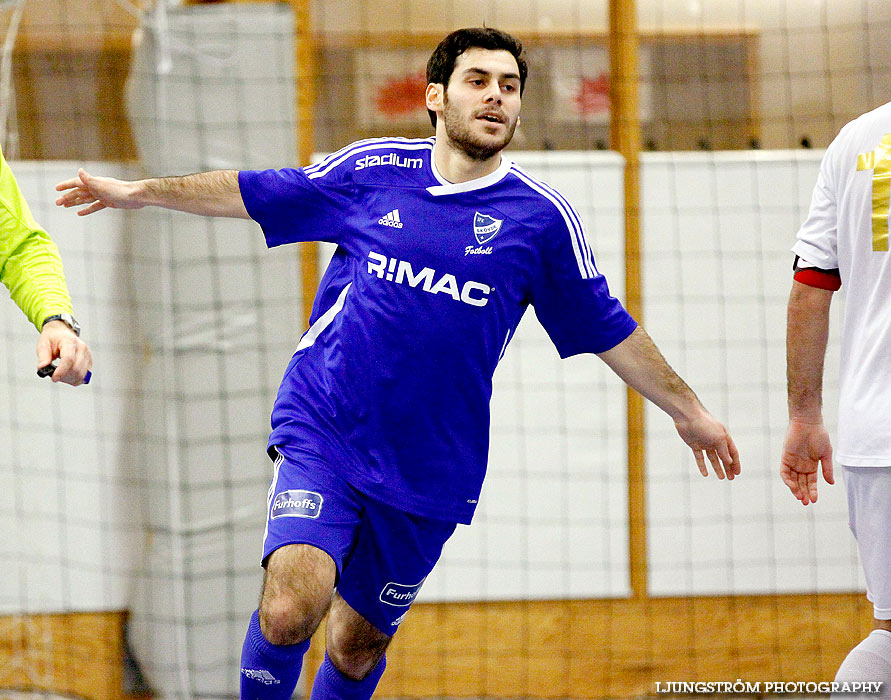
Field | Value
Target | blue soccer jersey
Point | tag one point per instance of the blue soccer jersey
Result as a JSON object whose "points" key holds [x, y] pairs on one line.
{"points": [[392, 381]]}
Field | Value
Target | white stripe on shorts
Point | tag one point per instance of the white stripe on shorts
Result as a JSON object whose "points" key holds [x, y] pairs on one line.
{"points": [[271, 494]]}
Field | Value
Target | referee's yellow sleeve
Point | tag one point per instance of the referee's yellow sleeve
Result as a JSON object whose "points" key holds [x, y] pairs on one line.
{"points": [[30, 265]]}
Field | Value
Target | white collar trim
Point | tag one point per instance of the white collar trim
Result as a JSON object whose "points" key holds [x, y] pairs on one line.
{"points": [[479, 183]]}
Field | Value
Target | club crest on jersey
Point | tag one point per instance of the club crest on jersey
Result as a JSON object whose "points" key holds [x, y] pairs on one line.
{"points": [[485, 227]]}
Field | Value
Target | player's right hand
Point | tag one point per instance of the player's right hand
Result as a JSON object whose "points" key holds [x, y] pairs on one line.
{"points": [[97, 193], [806, 447]]}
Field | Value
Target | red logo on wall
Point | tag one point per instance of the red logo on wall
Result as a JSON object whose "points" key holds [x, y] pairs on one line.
{"points": [[400, 97], [592, 95]]}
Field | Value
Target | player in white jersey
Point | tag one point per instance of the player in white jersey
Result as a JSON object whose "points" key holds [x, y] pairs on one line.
{"points": [[844, 241], [380, 428]]}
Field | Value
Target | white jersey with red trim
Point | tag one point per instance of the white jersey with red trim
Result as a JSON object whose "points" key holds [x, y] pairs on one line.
{"points": [[847, 228]]}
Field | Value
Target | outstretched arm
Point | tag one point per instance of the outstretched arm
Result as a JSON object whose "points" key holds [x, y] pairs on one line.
{"points": [[807, 445], [214, 193], [639, 364]]}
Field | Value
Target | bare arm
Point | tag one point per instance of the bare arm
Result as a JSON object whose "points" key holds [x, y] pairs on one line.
{"points": [[638, 362], [807, 443], [214, 193]]}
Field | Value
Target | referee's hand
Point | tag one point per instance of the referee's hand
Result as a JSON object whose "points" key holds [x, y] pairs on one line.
{"points": [[57, 340]]}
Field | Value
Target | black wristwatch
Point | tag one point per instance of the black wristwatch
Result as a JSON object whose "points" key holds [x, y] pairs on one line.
{"points": [[67, 319]]}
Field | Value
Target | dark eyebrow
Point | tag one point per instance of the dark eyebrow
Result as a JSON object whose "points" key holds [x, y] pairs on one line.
{"points": [[480, 71]]}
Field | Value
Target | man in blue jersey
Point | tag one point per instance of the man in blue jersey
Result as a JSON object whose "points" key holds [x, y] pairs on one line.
{"points": [[380, 428]]}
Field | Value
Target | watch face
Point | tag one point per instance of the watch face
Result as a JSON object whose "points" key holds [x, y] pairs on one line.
{"points": [[67, 319]]}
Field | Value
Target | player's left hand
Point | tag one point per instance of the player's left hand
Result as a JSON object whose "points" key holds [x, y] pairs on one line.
{"points": [[806, 448], [708, 438], [57, 340]]}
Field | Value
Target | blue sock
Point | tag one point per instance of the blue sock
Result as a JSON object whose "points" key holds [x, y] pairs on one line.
{"points": [[331, 684], [269, 671]]}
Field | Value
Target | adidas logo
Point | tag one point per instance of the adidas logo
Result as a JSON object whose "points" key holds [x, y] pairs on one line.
{"points": [[391, 220], [261, 675]]}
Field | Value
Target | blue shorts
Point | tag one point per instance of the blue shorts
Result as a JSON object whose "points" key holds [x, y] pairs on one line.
{"points": [[382, 554]]}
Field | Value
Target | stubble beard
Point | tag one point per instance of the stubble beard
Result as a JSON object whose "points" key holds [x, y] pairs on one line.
{"points": [[462, 138]]}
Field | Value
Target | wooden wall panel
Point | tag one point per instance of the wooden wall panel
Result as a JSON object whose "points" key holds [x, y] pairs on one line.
{"points": [[78, 654], [616, 648]]}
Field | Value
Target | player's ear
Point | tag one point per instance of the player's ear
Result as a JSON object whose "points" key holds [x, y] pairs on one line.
{"points": [[434, 96]]}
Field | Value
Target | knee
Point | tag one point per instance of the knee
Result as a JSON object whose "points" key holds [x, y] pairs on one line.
{"points": [[355, 657], [297, 587], [286, 620]]}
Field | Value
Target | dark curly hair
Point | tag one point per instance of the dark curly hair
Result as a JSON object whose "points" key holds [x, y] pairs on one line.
{"points": [[442, 61]]}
